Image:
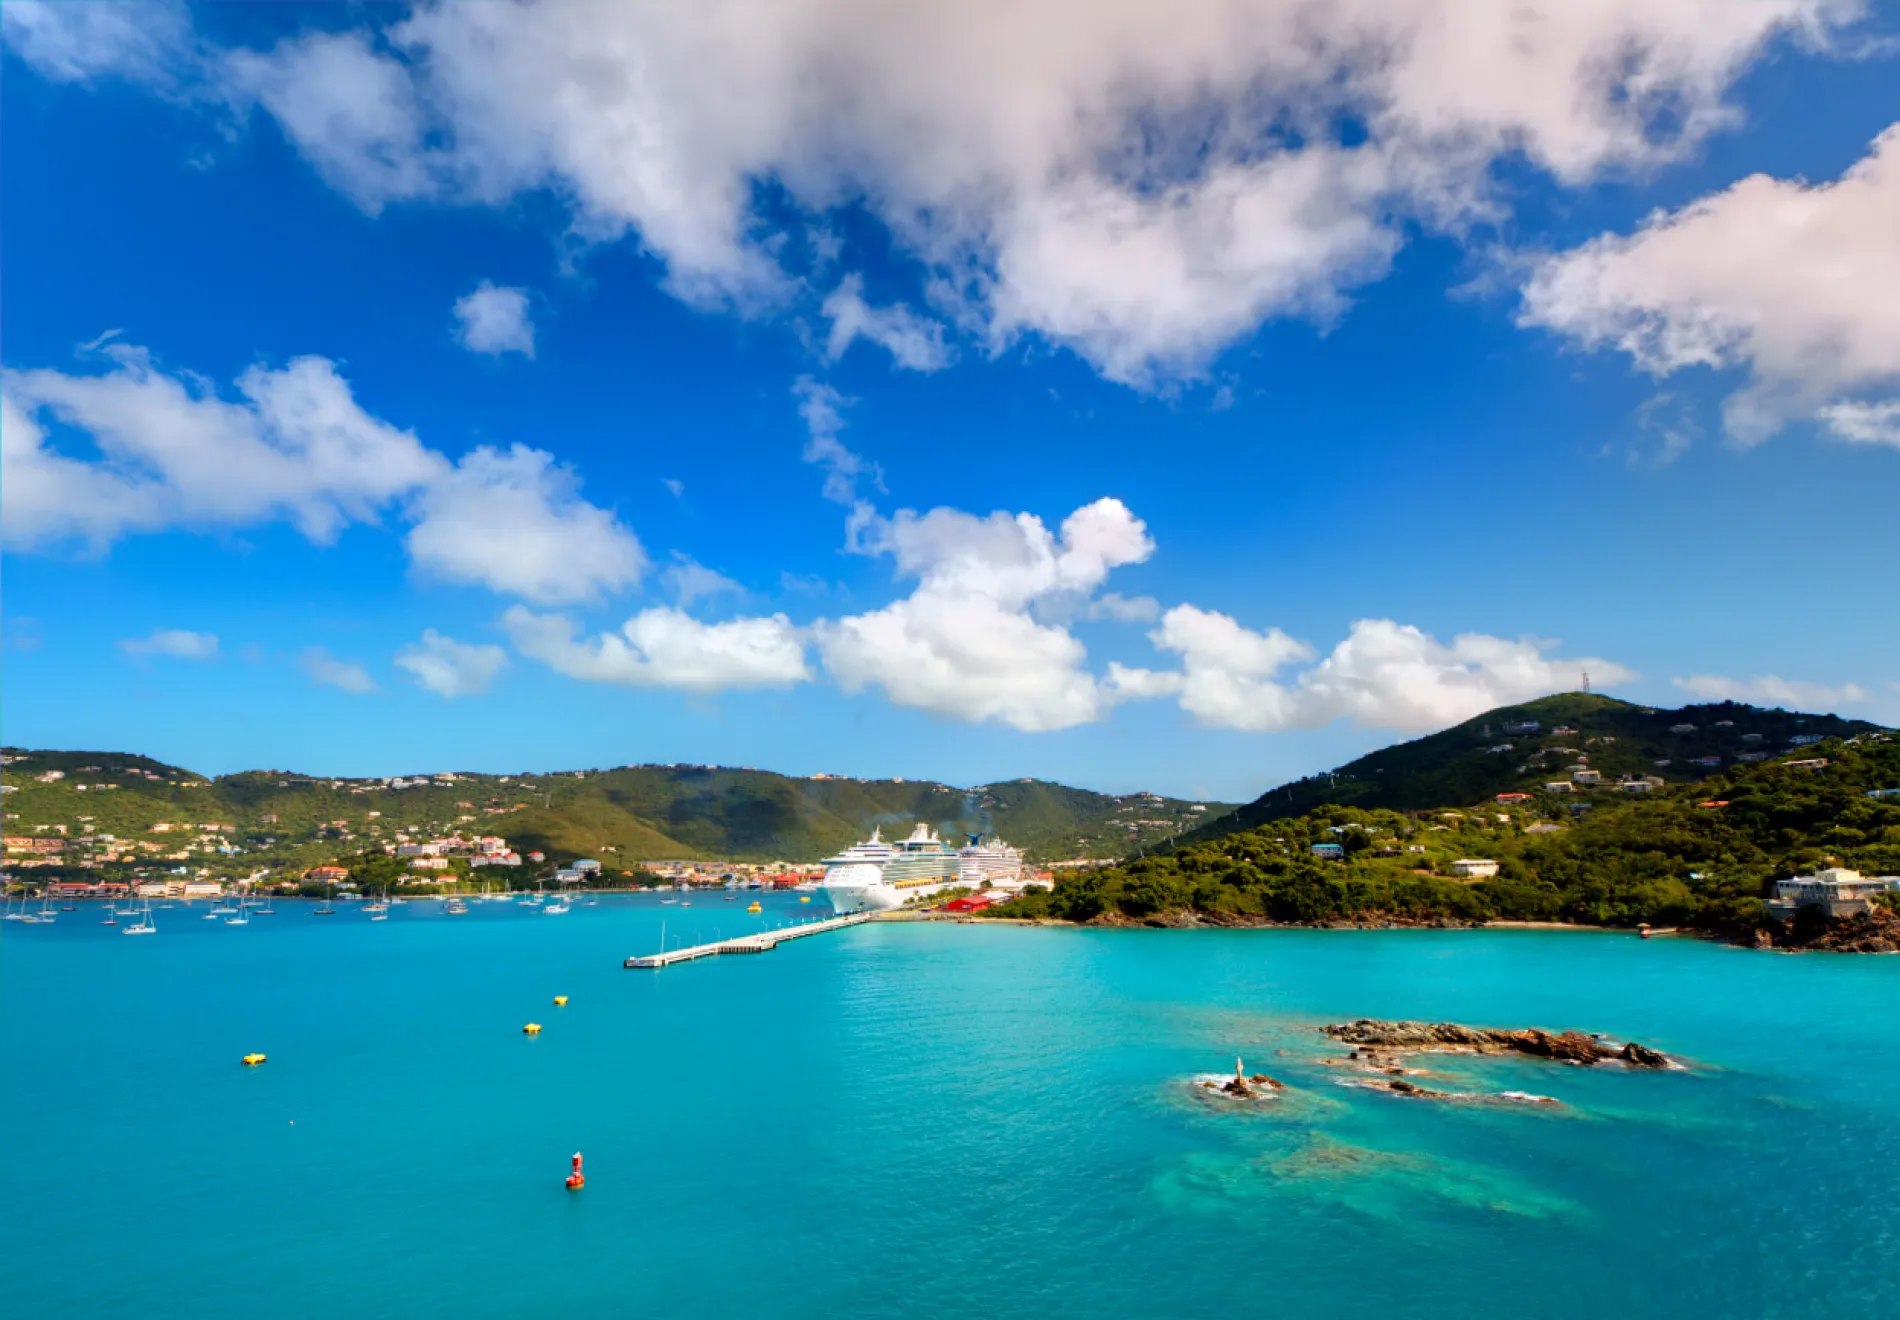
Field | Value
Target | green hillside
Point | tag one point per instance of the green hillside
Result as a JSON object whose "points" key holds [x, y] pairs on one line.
{"points": [[633, 813], [1494, 753], [1699, 854]]}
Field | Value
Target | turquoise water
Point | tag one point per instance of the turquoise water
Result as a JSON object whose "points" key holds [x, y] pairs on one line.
{"points": [[924, 1120]]}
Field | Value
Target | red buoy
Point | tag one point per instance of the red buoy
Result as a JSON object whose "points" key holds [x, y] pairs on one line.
{"points": [[574, 1180]]}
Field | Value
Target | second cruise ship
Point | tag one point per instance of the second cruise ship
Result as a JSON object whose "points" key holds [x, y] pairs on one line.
{"points": [[874, 876]]}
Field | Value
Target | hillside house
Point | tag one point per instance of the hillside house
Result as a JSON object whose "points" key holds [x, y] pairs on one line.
{"points": [[1813, 765], [327, 875], [1836, 890], [1331, 852], [1682, 728], [1506, 798], [1586, 777], [1708, 762], [1474, 868], [1803, 739], [1560, 786], [1640, 783]]}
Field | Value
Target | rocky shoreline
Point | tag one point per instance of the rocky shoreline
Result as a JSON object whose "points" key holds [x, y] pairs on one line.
{"points": [[1875, 932]]}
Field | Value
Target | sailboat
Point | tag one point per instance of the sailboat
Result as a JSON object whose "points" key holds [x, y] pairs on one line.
{"points": [[558, 908], [240, 915], [326, 908], [145, 924], [378, 909]]}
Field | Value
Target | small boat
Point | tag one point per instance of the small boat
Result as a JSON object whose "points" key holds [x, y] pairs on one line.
{"points": [[145, 925], [324, 909], [240, 916], [560, 907], [754, 906]]}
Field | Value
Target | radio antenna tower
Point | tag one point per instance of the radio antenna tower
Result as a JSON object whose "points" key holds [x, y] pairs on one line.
{"points": [[1586, 682]]}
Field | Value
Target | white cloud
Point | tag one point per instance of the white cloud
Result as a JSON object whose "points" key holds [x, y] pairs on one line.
{"points": [[353, 112], [690, 580], [1141, 183], [822, 408], [495, 320], [1791, 281], [181, 643], [1123, 609], [328, 671], [913, 341], [1383, 674], [173, 453], [1769, 690], [667, 648], [1864, 423], [512, 520], [450, 668], [965, 643], [148, 43]]}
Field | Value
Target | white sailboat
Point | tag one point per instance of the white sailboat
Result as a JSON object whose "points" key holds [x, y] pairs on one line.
{"points": [[145, 924], [240, 915]]}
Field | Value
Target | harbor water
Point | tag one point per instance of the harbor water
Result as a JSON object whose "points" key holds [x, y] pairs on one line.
{"points": [[923, 1119]]}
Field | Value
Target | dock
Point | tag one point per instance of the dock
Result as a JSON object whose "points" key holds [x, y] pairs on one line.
{"points": [[760, 942]]}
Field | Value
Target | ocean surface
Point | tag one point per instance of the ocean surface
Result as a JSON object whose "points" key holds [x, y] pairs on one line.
{"points": [[922, 1120]]}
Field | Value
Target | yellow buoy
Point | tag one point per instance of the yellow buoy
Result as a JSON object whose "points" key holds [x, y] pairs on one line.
{"points": [[560, 1001], [532, 1029], [804, 898], [755, 908], [252, 1060]]}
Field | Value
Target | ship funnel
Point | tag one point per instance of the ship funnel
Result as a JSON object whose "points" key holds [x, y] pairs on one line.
{"points": [[974, 839]]}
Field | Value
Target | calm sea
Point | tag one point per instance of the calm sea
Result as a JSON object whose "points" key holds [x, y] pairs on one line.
{"points": [[921, 1120]]}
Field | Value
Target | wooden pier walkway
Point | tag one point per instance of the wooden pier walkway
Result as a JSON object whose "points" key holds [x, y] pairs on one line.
{"points": [[760, 942]]}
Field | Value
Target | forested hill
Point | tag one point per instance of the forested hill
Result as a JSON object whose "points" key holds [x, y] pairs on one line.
{"points": [[633, 813], [1700, 855], [1521, 748]]}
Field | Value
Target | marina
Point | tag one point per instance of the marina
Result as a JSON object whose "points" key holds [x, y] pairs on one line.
{"points": [[760, 942]]}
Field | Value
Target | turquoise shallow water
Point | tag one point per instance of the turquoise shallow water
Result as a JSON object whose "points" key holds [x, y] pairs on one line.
{"points": [[922, 1120]]}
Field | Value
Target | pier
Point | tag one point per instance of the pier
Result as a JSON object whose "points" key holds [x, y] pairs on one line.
{"points": [[759, 942]]}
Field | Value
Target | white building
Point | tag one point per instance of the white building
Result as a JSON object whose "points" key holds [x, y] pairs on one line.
{"points": [[1836, 890], [1474, 868]]}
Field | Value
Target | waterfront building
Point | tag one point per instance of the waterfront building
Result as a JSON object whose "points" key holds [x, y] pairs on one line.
{"points": [[1836, 890]]}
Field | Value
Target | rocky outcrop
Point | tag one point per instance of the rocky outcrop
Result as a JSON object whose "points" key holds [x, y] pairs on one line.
{"points": [[1877, 931], [1245, 1088], [1374, 1035]]}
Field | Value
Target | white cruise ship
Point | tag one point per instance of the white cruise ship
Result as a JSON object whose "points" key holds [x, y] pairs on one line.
{"points": [[992, 865], [874, 876]]}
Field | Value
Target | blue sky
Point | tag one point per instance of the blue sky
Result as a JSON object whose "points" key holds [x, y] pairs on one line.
{"points": [[982, 393]]}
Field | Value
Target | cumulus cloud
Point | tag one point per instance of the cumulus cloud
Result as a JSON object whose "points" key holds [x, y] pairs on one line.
{"points": [[171, 452], [513, 521], [667, 648], [1769, 690], [1788, 280], [181, 643], [450, 668], [1384, 675], [966, 642], [1141, 183], [913, 341], [495, 320], [326, 670]]}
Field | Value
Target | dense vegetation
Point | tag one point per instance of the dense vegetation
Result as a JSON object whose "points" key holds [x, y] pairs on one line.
{"points": [[620, 816], [1699, 855], [1493, 754]]}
